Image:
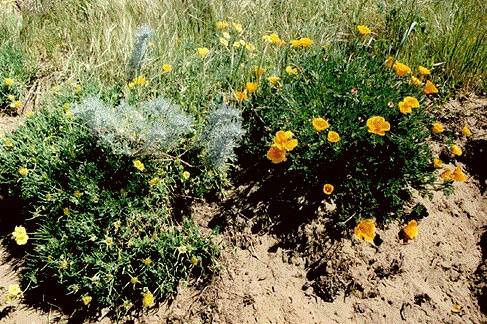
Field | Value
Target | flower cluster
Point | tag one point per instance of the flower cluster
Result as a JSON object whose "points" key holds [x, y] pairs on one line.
{"points": [[283, 143]]}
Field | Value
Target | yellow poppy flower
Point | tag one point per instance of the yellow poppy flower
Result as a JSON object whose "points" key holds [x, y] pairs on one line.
{"points": [[276, 155], [333, 137], [404, 108], [411, 101], [378, 125], [283, 140], [437, 128], [241, 95], [365, 230], [86, 299], [302, 42], [202, 52], [430, 88], [20, 235], [273, 39], [437, 163], [154, 181], [456, 150], [291, 70], [411, 230], [23, 171], [147, 299], [185, 175], [328, 188], [8, 82], [466, 131], [166, 68], [139, 165], [363, 30], [274, 80], [222, 24], [446, 175], [401, 69], [423, 71], [320, 124], [458, 174], [251, 87]]}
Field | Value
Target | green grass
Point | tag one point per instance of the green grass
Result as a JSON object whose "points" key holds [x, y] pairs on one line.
{"points": [[89, 40]]}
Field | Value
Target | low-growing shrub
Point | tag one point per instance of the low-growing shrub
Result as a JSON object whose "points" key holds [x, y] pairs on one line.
{"points": [[342, 120], [100, 227]]}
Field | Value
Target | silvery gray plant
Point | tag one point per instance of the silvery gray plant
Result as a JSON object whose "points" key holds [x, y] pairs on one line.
{"points": [[151, 128], [221, 136], [142, 36]]}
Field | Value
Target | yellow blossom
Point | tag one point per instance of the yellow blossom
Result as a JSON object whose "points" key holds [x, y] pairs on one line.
{"points": [[411, 101], [284, 140], [328, 188], [20, 235], [194, 260], [456, 150], [185, 175], [77, 194], [458, 174], [320, 124], [154, 181], [63, 264], [378, 125], [411, 230], [333, 137], [273, 39], [222, 24], [23, 171], [446, 175], [16, 104], [437, 163], [365, 230], [241, 95], [8, 82], [423, 71], [437, 128], [466, 131], [404, 108], [274, 80], [14, 290], [276, 155], [147, 261], [202, 52], [166, 68], [86, 299], [66, 211], [223, 41], [430, 88], [251, 87], [401, 69], [8, 144], [226, 35], [138, 81], [147, 299], [302, 42], [363, 30], [415, 81], [239, 43], [139, 165], [238, 27], [291, 70], [250, 47]]}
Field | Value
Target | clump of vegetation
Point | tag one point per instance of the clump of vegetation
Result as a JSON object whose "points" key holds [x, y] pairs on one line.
{"points": [[350, 123]]}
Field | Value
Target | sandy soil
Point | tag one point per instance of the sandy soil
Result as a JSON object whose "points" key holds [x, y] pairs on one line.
{"points": [[431, 279]]}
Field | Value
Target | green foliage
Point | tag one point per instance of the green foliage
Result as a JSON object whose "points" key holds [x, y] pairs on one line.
{"points": [[97, 220], [14, 75], [372, 175]]}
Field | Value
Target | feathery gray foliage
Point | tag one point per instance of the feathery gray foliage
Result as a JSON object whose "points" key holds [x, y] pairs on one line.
{"points": [[138, 52], [222, 135], [148, 129]]}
